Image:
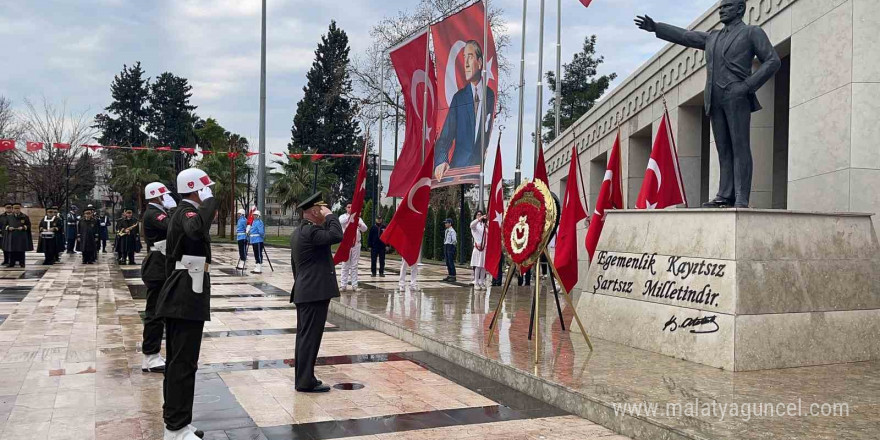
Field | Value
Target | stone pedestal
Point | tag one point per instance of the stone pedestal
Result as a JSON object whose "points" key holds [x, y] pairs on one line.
{"points": [[739, 289]]}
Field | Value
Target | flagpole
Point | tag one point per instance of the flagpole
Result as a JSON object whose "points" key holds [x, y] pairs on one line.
{"points": [[558, 63], [381, 119], [425, 91], [261, 162], [484, 138], [539, 85], [517, 177]]}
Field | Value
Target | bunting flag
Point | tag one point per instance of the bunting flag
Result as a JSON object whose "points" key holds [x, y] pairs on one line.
{"points": [[205, 152], [496, 216], [349, 237], [188, 150], [566, 258], [165, 148], [610, 197], [232, 154], [7, 144], [251, 153], [586, 3], [662, 186], [419, 92], [278, 154], [60, 146], [33, 146], [296, 156], [140, 148], [92, 147], [317, 157]]}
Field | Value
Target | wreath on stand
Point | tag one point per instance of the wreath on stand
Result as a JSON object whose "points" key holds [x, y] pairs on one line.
{"points": [[528, 223]]}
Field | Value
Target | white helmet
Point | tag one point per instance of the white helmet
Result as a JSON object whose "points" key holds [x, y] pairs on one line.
{"points": [[257, 212], [241, 212], [153, 190], [191, 180]]}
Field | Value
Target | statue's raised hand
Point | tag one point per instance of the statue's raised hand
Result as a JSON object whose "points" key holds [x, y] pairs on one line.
{"points": [[645, 23]]}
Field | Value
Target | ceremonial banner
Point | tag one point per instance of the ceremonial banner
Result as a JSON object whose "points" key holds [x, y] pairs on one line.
{"points": [[662, 186], [496, 216], [460, 55], [357, 203], [610, 197], [409, 64]]}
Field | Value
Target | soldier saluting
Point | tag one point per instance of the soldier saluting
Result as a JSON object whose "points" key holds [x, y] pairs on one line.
{"points": [[185, 299], [314, 285], [156, 219]]}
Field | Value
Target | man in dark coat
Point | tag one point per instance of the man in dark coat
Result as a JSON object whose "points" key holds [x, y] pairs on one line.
{"points": [[156, 219], [19, 239], [50, 228], [87, 235], [103, 225], [729, 97], [185, 299], [4, 219], [314, 276], [126, 237], [377, 247], [71, 222]]}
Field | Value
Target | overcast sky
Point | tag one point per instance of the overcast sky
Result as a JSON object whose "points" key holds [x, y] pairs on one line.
{"points": [[70, 51]]}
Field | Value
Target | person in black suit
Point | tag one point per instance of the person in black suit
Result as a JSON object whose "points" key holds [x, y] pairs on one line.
{"points": [[377, 247], [729, 97], [314, 284]]}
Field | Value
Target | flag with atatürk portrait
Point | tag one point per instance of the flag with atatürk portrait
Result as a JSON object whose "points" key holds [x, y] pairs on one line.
{"points": [[408, 60], [460, 57]]}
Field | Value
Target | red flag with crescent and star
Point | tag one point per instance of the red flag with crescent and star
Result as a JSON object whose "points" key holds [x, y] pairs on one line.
{"points": [[610, 197], [662, 186], [566, 258], [496, 216], [450, 39], [586, 3], [541, 166], [349, 236], [408, 60], [33, 146], [7, 144], [407, 228]]}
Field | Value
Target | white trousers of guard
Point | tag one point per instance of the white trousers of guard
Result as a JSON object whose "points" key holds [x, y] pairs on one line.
{"points": [[350, 267], [413, 274], [479, 276]]}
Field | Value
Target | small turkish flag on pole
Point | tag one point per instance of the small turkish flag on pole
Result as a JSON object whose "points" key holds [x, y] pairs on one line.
{"points": [[349, 237], [662, 186], [566, 258], [7, 144], [33, 146], [496, 216], [610, 197], [540, 166], [407, 227]]}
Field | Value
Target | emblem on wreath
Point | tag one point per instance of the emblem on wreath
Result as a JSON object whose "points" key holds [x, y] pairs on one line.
{"points": [[529, 222]]}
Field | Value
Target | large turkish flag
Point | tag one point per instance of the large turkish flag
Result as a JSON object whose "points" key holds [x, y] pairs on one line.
{"points": [[662, 186], [573, 211], [409, 64], [407, 228], [460, 141], [496, 216], [357, 203]]}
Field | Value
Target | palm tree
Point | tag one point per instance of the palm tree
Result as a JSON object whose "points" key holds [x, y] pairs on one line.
{"points": [[134, 170], [296, 178], [219, 165]]}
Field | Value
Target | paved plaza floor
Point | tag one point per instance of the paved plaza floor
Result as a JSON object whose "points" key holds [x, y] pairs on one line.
{"points": [[70, 365]]}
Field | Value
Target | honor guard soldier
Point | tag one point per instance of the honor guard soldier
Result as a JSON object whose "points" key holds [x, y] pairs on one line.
{"points": [[314, 276], [185, 299], [50, 230], [156, 219], [4, 220], [242, 228], [70, 225], [103, 224], [87, 235], [17, 237], [127, 237]]}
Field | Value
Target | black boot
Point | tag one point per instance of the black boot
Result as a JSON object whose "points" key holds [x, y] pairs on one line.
{"points": [[718, 202]]}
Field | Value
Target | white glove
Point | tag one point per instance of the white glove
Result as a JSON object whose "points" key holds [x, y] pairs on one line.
{"points": [[247, 230], [205, 193], [168, 201]]}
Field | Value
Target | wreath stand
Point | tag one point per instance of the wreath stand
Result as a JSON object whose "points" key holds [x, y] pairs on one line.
{"points": [[534, 321]]}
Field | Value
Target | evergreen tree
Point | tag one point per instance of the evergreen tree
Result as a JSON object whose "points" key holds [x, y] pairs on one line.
{"points": [[465, 239], [581, 88], [324, 120], [429, 238], [171, 119], [129, 91]]}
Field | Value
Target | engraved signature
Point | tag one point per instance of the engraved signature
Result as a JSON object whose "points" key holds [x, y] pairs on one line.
{"points": [[694, 323]]}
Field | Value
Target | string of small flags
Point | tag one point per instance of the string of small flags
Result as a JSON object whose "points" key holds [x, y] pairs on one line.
{"points": [[33, 147]]}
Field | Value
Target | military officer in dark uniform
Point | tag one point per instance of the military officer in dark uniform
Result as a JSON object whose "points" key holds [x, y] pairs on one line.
{"points": [[185, 299], [155, 221], [87, 236], [314, 277], [18, 239], [50, 228], [4, 219]]}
